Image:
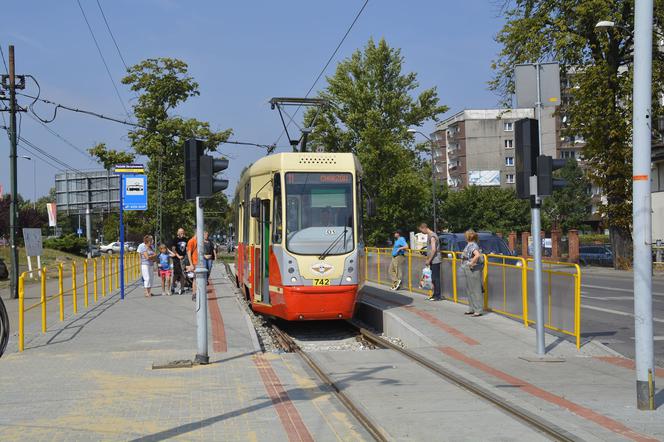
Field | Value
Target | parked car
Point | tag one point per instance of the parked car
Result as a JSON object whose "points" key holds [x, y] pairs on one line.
{"points": [[94, 251], [114, 247], [489, 242], [596, 255]]}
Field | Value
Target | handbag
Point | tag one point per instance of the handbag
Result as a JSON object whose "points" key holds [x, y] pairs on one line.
{"points": [[425, 279]]}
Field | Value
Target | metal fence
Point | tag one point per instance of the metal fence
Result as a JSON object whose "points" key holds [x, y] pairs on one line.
{"points": [[100, 276], [508, 285]]}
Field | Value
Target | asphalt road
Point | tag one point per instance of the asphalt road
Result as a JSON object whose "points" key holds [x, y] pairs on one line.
{"points": [[607, 310]]}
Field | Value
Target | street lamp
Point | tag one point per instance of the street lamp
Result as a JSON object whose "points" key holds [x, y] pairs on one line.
{"points": [[34, 179], [641, 201], [433, 176]]}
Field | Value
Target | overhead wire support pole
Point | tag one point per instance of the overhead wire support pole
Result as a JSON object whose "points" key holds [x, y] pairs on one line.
{"points": [[641, 205], [13, 208]]}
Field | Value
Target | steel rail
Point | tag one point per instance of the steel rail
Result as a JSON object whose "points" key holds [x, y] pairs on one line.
{"points": [[530, 419], [291, 346]]}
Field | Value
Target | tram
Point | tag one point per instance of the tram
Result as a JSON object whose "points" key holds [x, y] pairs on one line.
{"points": [[298, 219]]}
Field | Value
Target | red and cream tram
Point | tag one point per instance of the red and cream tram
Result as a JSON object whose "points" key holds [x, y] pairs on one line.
{"points": [[298, 218]]}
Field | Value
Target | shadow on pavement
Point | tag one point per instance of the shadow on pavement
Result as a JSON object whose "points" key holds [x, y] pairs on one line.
{"points": [[76, 326]]}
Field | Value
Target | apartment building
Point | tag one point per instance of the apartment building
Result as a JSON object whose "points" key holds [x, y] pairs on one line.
{"points": [[476, 146]]}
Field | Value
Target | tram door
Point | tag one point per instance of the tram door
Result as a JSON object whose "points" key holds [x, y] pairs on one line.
{"points": [[262, 254]]}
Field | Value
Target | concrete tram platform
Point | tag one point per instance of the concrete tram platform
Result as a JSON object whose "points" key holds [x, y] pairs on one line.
{"points": [[590, 393], [92, 378]]}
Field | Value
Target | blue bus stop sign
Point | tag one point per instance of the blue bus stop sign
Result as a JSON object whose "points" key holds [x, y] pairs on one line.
{"points": [[134, 192]]}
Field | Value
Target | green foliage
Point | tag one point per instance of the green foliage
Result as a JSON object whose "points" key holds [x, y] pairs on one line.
{"points": [[163, 84], [486, 208], [67, 243], [568, 208], [109, 157], [594, 238], [372, 109], [599, 65]]}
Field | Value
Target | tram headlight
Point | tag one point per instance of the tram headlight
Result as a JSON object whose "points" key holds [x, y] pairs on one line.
{"points": [[291, 270], [293, 279], [349, 279]]}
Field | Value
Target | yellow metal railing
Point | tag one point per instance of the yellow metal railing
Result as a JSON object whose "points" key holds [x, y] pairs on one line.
{"points": [[109, 273], [507, 285]]}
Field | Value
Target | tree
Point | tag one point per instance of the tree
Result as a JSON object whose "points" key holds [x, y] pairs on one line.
{"points": [[109, 157], [163, 84], [568, 207], [371, 110], [485, 208], [599, 66]]}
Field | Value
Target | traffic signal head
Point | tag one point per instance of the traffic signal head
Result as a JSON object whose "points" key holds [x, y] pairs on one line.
{"points": [[209, 184], [193, 151], [200, 171], [526, 147], [546, 184]]}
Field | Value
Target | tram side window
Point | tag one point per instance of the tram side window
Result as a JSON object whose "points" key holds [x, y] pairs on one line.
{"points": [[276, 223], [360, 210]]}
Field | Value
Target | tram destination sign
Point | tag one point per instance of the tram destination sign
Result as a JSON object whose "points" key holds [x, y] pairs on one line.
{"points": [[318, 178]]}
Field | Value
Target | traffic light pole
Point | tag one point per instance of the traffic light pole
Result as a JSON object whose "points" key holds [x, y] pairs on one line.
{"points": [[535, 232], [641, 211], [201, 288]]}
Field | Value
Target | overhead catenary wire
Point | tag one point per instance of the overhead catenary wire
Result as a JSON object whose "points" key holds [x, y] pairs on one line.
{"points": [[117, 47], [101, 55], [63, 139], [329, 60]]}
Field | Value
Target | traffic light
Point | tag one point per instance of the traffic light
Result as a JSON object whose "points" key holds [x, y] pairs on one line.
{"points": [[193, 151], [546, 184], [200, 171], [209, 184], [526, 146]]}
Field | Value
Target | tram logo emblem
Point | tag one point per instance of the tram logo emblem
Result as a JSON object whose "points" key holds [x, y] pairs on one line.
{"points": [[322, 268]]}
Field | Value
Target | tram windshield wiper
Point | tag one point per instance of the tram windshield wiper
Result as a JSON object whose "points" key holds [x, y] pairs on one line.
{"points": [[334, 243]]}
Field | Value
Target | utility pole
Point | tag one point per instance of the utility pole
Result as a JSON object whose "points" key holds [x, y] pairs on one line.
{"points": [[13, 208], [641, 210]]}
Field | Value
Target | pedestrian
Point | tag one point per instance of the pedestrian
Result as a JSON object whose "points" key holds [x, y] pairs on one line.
{"points": [[192, 259], [165, 269], [179, 249], [398, 257], [433, 261], [210, 254], [472, 263], [148, 256]]}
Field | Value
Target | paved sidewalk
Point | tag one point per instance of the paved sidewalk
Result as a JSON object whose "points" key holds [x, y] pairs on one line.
{"points": [[591, 392], [91, 378]]}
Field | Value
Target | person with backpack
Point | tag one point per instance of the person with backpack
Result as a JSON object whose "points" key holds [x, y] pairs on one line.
{"points": [[471, 267]]}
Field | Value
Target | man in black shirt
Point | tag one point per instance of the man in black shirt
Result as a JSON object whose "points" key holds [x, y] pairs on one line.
{"points": [[179, 247]]}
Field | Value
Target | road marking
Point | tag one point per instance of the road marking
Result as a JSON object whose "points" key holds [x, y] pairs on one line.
{"points": [[654, 338], [607, 298], [615, 289], [616, 312]]}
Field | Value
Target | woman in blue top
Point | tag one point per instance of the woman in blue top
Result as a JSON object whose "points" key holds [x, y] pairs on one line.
{"points": [[398, 257]]}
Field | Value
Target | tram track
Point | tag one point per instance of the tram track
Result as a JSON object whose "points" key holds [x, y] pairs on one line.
{"points": [[521, 414], [287, 343]]}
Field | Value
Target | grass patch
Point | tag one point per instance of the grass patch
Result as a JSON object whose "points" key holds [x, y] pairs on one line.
{"points": [[49, 258]]}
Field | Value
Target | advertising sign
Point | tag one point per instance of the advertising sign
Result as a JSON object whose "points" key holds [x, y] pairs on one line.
{"points": [[484, 177], [135, 192], [52, 210], [33, 242]]}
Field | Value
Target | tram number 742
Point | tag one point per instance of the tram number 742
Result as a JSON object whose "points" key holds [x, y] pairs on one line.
{"points": [[323, 281]]}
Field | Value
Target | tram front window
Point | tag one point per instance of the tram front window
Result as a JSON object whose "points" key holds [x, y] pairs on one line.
{"points": [[319, 213]]}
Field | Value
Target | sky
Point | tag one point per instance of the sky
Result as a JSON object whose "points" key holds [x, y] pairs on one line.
{"points": [[241, 53]]}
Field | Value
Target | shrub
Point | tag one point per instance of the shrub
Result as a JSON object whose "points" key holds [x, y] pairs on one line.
{"points": [[68, 243], [594, 238]]}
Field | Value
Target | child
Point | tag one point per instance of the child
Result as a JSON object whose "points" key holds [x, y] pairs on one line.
{"points": [[165, 268]]}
